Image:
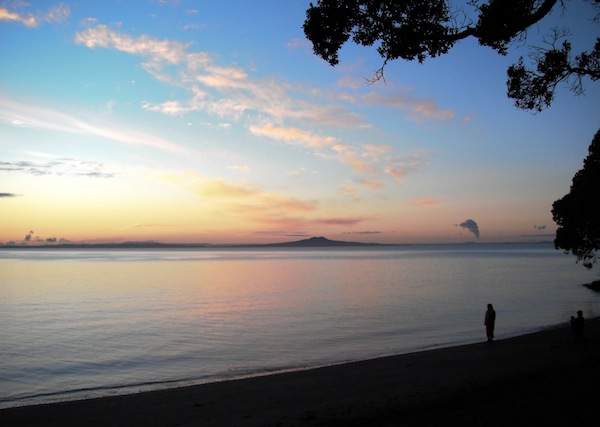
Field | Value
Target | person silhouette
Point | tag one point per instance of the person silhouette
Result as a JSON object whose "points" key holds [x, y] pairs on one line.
{"points": [[490, 322], [578, 325]]}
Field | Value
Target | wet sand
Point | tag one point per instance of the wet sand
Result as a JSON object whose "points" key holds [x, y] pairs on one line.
{"points": [[544, 378]]}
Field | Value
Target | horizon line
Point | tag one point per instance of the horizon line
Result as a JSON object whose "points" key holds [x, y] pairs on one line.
{"points": [[289, 243]]}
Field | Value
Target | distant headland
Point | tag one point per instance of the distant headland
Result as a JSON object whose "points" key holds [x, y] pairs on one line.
{"points": [[312, 242]]}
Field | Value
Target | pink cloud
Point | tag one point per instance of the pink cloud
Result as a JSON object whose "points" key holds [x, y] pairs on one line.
{"points": [[339, 221], [416, 107], [425, 201], [350, 156], [373, 184], [56, 14], [292, 134], [163, 50], [348, 190], [307, 223], [399, 167], [231, 92]]}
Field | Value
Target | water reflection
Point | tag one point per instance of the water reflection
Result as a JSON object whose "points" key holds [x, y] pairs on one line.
{"points": [[119, 318]]}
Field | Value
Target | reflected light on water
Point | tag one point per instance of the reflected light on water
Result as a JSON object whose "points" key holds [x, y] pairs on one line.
{"points": [[121, 321]]}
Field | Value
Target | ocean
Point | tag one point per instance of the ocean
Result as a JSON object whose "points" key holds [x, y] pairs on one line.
{"points": [[85, 323]]}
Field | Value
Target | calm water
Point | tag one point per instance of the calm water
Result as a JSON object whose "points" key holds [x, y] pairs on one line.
{"points": [[87, 323]]}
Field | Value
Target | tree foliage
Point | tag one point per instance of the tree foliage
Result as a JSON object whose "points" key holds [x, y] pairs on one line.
{"points": [[534, 90], [419, 29], [578, 212]]}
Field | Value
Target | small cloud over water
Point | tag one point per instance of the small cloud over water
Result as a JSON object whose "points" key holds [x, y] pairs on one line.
{"points": [[470, 225]]}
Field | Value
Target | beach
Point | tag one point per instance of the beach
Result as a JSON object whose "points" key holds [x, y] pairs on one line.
{"points": [[539, 378]]}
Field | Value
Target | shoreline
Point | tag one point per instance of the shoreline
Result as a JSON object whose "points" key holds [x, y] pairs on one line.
{"points": [[367, 392], [153, 386]]}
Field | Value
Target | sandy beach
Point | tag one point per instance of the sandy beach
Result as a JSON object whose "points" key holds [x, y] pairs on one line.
{"points": [[534, 379]]}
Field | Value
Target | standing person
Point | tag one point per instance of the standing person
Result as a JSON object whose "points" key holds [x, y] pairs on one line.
{"points": [[490, 322], [578, 326]]}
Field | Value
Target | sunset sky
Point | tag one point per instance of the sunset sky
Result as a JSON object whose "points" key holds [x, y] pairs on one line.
{"points": [[199, 121]]}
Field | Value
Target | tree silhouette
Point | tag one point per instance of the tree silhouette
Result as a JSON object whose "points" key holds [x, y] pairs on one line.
{"points": [[534, 90], [418, 29], [578, 213]]}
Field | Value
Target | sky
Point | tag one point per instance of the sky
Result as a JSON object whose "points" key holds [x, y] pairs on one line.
{"points": [[199, 121]]}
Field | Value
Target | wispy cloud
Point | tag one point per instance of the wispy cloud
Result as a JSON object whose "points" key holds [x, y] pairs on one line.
{"points": [[5, 195], [373, 184], [170, 108], [247, 203], [159, 50], [376, 152], [26, 19], [224, 190], [56, 14], [399, 167], [361, 158], [227, 91], [425, 201], [416, 107], [25, 115], [340, 220], [58, 166], [348, 190], [372, 160], [282, 233], [292, 135], [231, 93], [295, 222], [242, 198], [351, 156]]}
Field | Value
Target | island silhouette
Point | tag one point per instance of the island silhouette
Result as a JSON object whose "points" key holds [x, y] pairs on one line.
{"points": [[312, 242]]}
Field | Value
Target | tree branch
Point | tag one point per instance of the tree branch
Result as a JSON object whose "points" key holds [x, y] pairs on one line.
{"points": [[542, 11], [467, 32]]}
